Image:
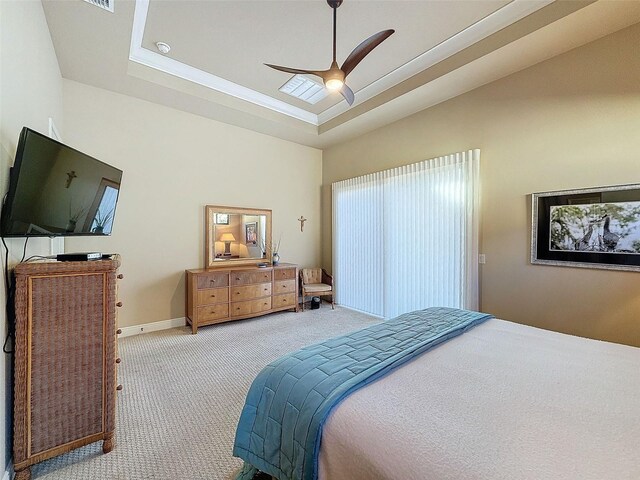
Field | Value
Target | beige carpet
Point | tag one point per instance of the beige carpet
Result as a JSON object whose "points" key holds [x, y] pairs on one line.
{"points": [[183, 394]]}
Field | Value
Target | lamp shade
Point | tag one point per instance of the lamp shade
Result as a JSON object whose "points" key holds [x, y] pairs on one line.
{"points": [[227, 237]]}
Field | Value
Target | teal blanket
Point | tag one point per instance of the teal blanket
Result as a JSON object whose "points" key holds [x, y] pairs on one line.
{"points": [[281, 423]]}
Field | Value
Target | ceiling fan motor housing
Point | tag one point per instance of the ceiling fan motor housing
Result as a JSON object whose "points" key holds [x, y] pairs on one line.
{"points": [[334, 3]]}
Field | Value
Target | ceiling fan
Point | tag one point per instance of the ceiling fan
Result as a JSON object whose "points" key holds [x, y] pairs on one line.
{"points": [[334, 78]]}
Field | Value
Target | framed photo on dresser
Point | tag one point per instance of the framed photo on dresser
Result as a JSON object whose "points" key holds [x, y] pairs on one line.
{"points": [[251, 233]]}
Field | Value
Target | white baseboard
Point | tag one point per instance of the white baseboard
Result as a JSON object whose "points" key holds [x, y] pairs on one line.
{"points": [[151, 327], [361, 311], [8, 473]]}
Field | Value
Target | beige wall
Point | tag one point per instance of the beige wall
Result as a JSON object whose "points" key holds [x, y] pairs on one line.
{"points": [[174, 164], [572, 121], [30, 93]]}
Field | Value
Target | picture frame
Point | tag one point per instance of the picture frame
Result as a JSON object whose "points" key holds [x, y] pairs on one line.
{"points": [[587, 228], [251, 233], [222, 219]]}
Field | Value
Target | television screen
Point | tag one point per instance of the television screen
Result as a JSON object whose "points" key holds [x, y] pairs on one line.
{"points": [[55, 190]]}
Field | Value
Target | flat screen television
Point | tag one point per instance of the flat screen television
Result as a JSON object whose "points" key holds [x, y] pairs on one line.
{"points": [[55, 190]]}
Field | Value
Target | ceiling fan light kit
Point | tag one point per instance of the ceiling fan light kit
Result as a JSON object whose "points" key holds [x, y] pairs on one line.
{"points": [[334, 78]]}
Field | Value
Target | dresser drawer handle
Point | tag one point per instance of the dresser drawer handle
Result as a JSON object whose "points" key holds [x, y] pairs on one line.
{"points": [[118, 331], [238, 278], [265, 289], [119, 387], [265, 303], [237, 308], [119, 304], [213, 312], [237, 293], [118, 360], [120, 276], [213, 295], [284, 299]]}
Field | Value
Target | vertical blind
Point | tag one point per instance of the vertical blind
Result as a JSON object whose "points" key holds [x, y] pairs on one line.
{"points": [[407, 238]]}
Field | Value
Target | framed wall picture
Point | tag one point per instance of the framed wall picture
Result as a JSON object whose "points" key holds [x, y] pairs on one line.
{"points": [[222, 219], [251, 230], [590, 228]]}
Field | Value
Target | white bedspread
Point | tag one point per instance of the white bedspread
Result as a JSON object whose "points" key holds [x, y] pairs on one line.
{"points": [[502, 401]]}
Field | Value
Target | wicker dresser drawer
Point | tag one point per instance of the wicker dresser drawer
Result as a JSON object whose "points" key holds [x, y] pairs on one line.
{"points": [[213, 312], [208, 296], [250, 292], [284, 286], [286, 300], [284, 273], [212, 280], [247, 278], [250, 307]]}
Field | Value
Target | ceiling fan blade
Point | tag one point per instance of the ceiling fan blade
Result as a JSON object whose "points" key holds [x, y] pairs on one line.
{"points": [[363, 50], [348, 94], [317, 73]]}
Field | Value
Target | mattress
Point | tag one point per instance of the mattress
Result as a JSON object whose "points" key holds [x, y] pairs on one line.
{"points": [[502, 401]]}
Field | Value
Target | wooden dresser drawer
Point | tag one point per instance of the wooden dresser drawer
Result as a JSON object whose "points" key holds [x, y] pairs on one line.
{"points": [[213, 312], [252, 306], [212, 280], [234, 292], [286, 300], [208, 296], [284, 273], [248, 278], [250, 292], [284, 286]]}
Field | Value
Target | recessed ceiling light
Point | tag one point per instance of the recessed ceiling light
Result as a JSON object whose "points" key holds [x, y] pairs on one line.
{"points": [[163, 47], [305, 89]]}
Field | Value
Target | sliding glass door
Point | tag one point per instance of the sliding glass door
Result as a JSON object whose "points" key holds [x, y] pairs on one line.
{"points": [[406, 238]]}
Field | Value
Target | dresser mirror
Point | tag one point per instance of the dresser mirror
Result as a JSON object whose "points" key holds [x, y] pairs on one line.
{"points": [[237, 235]]}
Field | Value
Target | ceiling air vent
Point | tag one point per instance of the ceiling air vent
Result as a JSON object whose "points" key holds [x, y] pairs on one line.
{"points": [[104, 4], [305, 89]]}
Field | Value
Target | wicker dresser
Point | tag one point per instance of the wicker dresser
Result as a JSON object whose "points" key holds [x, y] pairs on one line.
{"points": [[226, 294], [65, 359]]}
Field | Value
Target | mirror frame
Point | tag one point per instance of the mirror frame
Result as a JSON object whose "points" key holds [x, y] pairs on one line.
{"points": [[209, 253]]}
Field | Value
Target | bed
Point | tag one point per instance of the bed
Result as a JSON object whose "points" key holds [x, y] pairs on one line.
{"points": [[499, 401]]}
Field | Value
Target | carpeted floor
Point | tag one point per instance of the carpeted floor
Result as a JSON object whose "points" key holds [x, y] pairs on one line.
{"points": [[183, 394]]}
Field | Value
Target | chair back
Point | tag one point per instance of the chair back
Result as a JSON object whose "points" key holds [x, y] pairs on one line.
{"points": [[311, 276]]}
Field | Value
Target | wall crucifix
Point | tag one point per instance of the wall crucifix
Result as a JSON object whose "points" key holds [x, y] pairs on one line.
{"points": [[70, 176], [302, 220]]}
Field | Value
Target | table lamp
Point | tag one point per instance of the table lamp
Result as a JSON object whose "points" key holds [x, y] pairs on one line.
{"points": [[227, 238]]}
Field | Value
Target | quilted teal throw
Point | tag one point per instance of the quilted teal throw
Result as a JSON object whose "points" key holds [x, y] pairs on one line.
{"points": [[281, 423]]}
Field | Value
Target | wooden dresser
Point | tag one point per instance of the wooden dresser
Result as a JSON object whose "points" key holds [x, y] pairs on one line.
{"points": [[222, 295], [65, 359]]}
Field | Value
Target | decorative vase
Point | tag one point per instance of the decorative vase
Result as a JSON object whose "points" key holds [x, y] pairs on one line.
{"points": [[276, 258]]}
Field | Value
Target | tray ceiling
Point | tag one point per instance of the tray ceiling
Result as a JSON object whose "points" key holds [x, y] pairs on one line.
{"points": [[299, 34], [215, 66]]}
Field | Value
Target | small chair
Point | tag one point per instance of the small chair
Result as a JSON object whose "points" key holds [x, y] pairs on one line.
{"points": [[316, 282]]}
